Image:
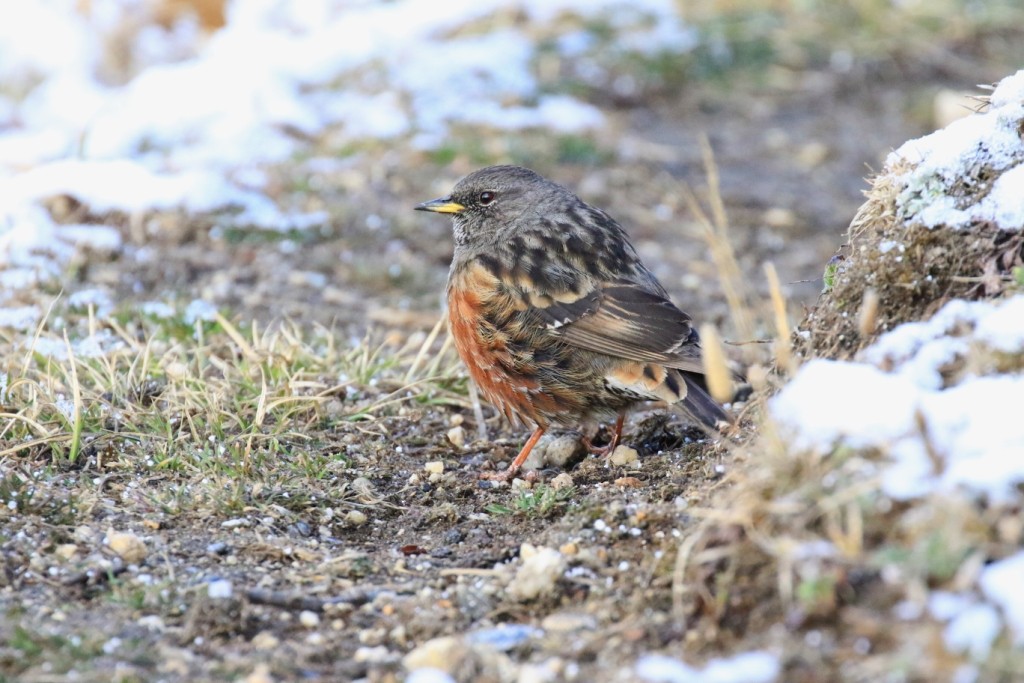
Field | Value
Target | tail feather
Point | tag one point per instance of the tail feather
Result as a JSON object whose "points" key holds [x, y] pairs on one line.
{"points": [[699, 405]]}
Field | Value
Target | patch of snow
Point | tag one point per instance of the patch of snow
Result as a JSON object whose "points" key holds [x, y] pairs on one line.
{"points": [[989, 140], [190, 119], [200, 310], [1001, 583], [937, 438], [749, 667], [98, 237], [20, 318]]}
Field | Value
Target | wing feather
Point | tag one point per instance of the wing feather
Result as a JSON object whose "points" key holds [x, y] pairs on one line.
{"points": [[626, 320]]}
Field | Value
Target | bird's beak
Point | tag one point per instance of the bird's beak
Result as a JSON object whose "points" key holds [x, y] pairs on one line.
{"points": [[441, 205]]}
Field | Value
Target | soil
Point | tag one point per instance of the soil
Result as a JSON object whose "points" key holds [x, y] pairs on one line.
{"points": [[319, 594]]}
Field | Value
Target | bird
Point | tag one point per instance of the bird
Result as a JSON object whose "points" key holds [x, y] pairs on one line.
{"points": [[554, 315]]}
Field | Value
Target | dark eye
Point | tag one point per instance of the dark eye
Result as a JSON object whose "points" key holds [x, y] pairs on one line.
{"points": [[486, 197]]}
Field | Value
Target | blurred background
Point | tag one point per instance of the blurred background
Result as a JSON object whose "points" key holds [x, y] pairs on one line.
{"points": [[261, 157]]}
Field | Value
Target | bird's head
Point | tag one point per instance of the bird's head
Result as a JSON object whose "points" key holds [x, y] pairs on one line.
{"points": [[486, 206]]}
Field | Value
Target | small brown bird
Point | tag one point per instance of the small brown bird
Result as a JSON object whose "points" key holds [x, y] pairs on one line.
{"points": [[555, 316]]}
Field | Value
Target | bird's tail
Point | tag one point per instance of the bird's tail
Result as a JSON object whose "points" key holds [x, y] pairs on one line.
{"points": [[698, 405]]}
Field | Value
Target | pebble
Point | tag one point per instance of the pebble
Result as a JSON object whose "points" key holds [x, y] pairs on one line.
{"points": [[217, 548], [434, 467], [629, 482], [261, 674], [437, 653], [457, 435], [65, 551], [539, 572], [309, 619], [128, 546], [624, 455], [567, 622], [372, 655], [152, 623], [562, 481], [504, 637], [219, 589], [562, 450], [355, 518], [265, 640]]}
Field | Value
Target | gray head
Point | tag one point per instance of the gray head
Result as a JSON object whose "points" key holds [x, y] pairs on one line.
{"points": [[487, 205]]}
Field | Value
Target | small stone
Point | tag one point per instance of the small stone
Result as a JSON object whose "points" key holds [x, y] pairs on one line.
{"points": [[261, 674], [624, 455], [456, 420], [221, 589], [438, 653], [628, 482], [812, 154], [176, 370], [265, 640], [567, 622], [779, 217], [128, 546], [152, 623], [562, 450], [65, 551], [355, 518], [541, 569], [309, 619], [457, 435], [372, 655], [434, 467], [217, 548], [569, 548], [562, 481]]}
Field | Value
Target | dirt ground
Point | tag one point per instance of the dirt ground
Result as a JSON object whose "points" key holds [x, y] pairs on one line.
{"points": [[356, 555]]}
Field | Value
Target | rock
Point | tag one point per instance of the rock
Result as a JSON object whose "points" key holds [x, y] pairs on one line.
{"points": [[261, 674], [265, 640], [537, 576], [219, 589], [128, 546], [505, 637], [65, 551], [450, 658], [309, 619], [556, 450], [624, 455], [562, 481], [567, 622], [628, 482], [372, 655], [355, 518], [434, 467], [457, 436], [437, 653]]}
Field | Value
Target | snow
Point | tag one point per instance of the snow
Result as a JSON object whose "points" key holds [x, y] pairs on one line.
{"points": [[1001, 583], [894, 400], [749, 667], [129, 119], [988, 141]]}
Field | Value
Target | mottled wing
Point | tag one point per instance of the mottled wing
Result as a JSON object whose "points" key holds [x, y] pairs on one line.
{"points": [[628, 321]]}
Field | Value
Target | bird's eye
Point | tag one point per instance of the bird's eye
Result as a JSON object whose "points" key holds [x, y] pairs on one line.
{"points": [[486, 197]]}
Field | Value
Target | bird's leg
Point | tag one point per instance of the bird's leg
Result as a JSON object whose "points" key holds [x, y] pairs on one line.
{"points": [[513, 469], [610, 447]]}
